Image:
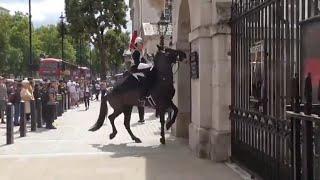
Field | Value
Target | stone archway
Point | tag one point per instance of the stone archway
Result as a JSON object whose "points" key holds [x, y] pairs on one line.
{"points": [[182, 78]]}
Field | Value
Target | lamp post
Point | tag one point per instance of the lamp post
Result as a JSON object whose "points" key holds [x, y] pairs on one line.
{"points": [[162, 29], [62, 35], [30, 40], [90, 51]]}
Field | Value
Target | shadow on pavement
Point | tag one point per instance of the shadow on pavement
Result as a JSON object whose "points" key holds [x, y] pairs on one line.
{"points": [[136, 150], [171, 161]]}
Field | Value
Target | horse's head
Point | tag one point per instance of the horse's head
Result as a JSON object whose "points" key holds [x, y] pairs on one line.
{"points": [[171, 56], [175, 55], [164, 60]]}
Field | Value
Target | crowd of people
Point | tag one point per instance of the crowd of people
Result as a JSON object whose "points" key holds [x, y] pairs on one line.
{"points": [[15, 91]]}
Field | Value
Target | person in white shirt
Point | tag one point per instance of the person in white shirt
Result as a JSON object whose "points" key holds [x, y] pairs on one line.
{"points": [[73, 94]]}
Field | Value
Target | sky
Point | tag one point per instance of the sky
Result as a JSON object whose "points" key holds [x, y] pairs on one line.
{"points": [[43, 12]]}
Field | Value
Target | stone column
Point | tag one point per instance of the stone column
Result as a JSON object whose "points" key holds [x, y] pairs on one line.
{"points": [[209, 132], [201, 98], [220, 137], [182, 97]]}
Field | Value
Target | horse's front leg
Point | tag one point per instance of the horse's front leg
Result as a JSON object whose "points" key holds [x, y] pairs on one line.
{"points": [[162, 121]]}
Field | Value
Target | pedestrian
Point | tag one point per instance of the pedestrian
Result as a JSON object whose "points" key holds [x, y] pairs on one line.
{"points": [[52, 92], [91, 88], [72, 89], [16, 98], [36, 92], [77, 97], [81, 92], [103, 88], [44, 101], [26, 96], [86, 95], [3, 98], [97, 87], [141, 114]]}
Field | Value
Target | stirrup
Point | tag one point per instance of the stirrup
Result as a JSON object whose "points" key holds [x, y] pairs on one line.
{"points": [[151, 101]]}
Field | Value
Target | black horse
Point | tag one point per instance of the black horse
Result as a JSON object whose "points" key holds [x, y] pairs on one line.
{"points": [[158, 82]]}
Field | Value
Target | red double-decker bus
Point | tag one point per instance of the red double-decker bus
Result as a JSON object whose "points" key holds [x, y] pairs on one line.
{"points": [[55, 69], [84, 72]]}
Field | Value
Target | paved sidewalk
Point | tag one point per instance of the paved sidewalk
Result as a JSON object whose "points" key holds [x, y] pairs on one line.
{"points": [[72, 152]]}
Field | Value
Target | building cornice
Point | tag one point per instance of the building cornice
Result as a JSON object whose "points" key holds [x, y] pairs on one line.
{"points": [[209, 31]]}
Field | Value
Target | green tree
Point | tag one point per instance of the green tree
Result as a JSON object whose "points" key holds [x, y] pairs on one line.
{"points": [[5, 21], [49, 43], [14, 39], [117, 43], [94, 18]]}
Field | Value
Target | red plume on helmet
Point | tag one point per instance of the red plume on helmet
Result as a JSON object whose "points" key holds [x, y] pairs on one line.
{"points": [[133, 39]]}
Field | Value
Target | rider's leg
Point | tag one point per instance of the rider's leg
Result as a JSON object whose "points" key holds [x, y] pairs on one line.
{"points": [[162, 121], [173, 119], [141, 113]]}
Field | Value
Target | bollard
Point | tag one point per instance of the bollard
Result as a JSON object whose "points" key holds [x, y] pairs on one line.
{"points": [[51, 111], [39, 113], [10, 133], [69, 106], [60, 108], [62, 103], [65, 102], [33, 115], [55, 113], [58, 104], [23, 128]]}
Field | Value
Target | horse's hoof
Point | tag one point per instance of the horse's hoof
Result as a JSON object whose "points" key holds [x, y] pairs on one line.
{"points": [[137, 140], [163, 141], [112, 135]]}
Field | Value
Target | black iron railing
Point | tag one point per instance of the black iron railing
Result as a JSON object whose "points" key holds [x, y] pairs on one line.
{"points": [[270, 134], [274, 148], [261, 143]]}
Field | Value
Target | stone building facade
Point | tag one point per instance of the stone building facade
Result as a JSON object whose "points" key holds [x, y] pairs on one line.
{"points": [[4, 10], [144, 15], [201, 26]]}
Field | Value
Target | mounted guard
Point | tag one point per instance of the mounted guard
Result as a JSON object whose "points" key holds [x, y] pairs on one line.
{"points": [[159, 85], [140, 68]]}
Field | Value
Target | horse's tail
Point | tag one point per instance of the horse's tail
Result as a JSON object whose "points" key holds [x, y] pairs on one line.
{"points": [[102, 114]]}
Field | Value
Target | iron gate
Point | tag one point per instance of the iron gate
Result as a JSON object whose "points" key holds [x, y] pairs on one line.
{"points": [[266, 78]]}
